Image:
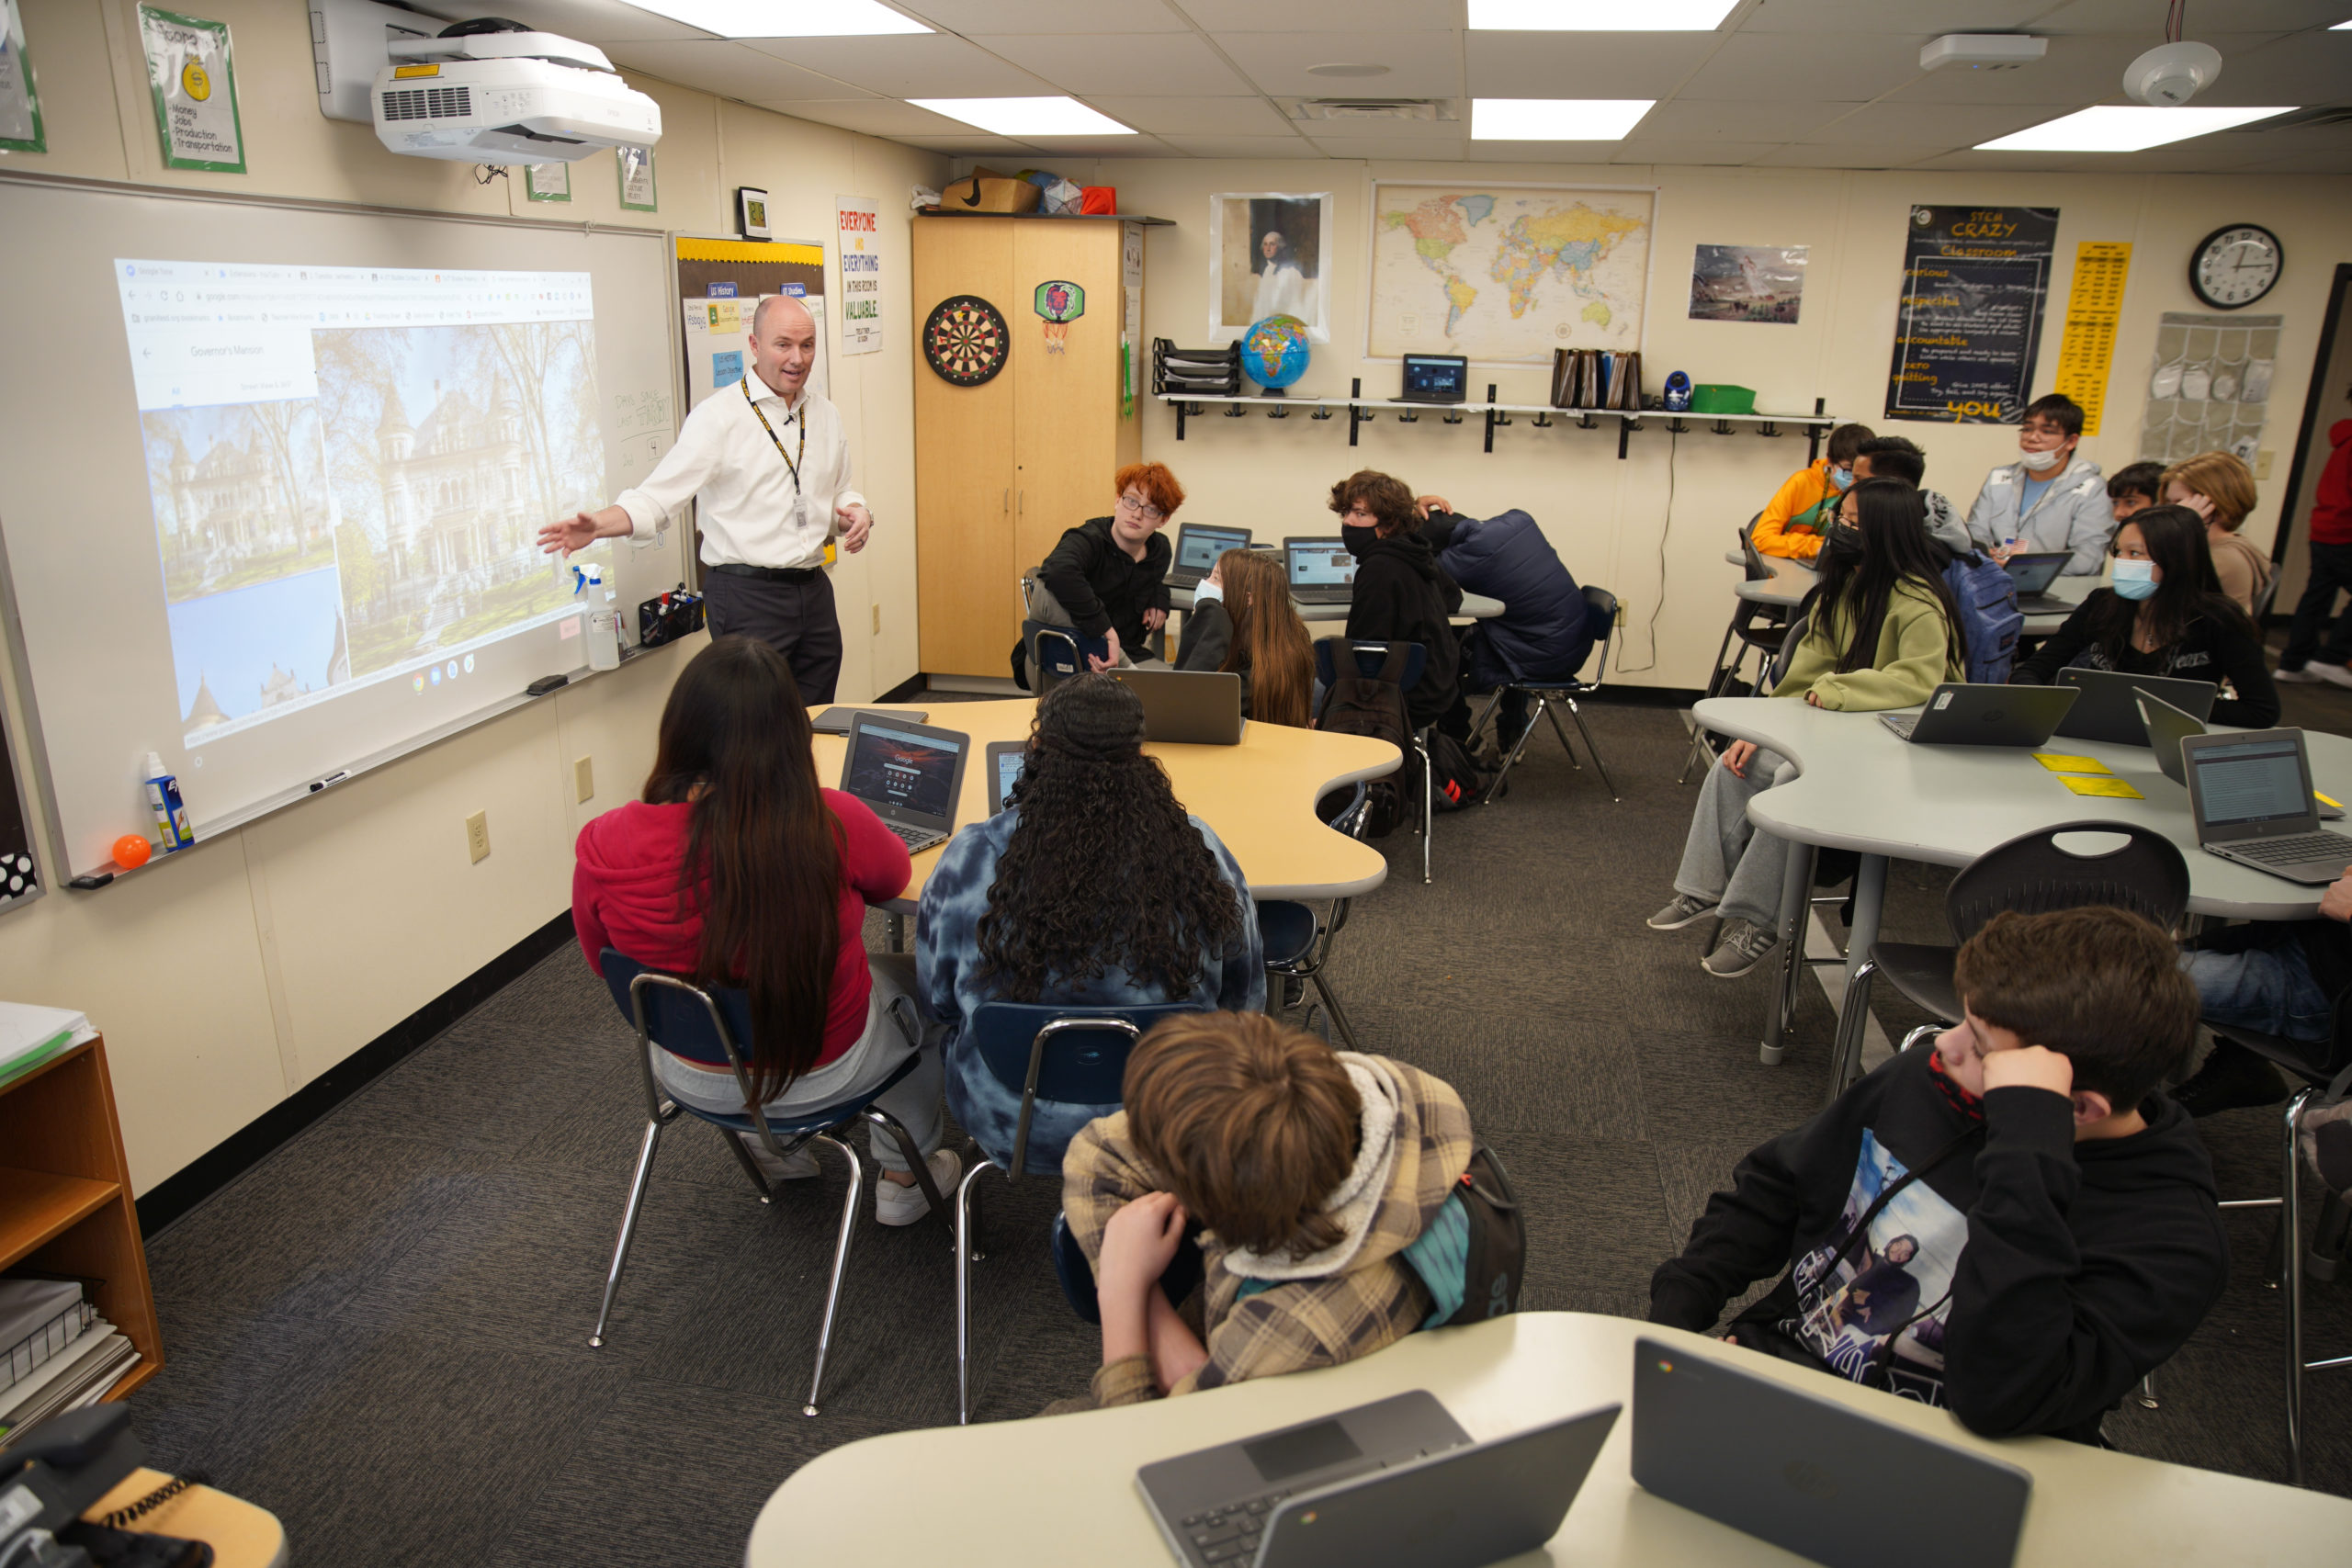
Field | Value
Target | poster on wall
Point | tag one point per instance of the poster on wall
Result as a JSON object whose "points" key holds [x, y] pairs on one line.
{"points": [[2094, 309], [20, 128], [1748, 283], [861, 242], [2210, 388], [193, 81], [1975, 281], [636, 164], [1505, 274], [548, 182], [1270, 255]]}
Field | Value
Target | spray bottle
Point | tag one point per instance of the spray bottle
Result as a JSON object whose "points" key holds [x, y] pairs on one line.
{"points": [[171, 812]]}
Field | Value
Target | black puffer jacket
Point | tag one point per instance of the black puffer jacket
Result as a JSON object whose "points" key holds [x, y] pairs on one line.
{"points": [[1401, 595]]}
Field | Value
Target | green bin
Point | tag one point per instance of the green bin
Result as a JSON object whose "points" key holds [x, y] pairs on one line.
{"points": [[1709, 397]]}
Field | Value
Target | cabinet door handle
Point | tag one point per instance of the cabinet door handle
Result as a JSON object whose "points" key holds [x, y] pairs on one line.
{"points": [[1020, 502], [1007, 501]]}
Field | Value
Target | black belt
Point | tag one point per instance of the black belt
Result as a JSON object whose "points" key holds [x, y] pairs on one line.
{"points": [[769, 573]]}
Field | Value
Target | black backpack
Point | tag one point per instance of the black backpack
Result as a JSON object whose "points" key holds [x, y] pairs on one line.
{"points": [[1474, 1256], [1358, 704], [1454, 779]]}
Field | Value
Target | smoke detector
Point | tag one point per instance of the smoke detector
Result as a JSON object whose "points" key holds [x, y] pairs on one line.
{"points": [[1424, 109], [2171, 74], [1983, 52]]}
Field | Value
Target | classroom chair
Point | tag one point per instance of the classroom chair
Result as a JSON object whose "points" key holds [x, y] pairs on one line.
{"points": [[2033, 874], [705, 1025], [1052, 655], [1049, 1053], [2321, 1073], [1370, 657], [1601, 616], [1297, 946], [1757, 628]]}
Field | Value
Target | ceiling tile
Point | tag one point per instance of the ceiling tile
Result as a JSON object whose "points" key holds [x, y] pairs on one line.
{"points": [[2139, 20], [1089, 63], [1369, 130], [969, 16], [1952, 124], [2312, 68], [1000, 151], [1420, 66], [2076, 71], [1244, 146], [729, 70], [1581, 65], [1432, 150], [1781, 119], [875, 116], [1850, 65], [1543, 152], [1888, 156], [1197, 116], [1684, 153], [599, 22], [925, 65], [1339, 18], [1098, 146], [1927, 16]]}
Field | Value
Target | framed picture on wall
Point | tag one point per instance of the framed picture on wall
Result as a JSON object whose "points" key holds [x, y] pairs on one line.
{"points": [[1270, 255], [751, 213], [547, 182]]}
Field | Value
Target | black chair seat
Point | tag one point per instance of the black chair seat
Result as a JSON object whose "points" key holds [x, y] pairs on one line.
{"points": [[1923, 974]]}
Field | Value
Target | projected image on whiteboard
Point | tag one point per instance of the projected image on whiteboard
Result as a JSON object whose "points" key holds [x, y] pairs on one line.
{"points": [[348, 466]]}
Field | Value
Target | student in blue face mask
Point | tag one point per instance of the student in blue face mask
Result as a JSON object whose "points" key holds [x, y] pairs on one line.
{"points": [[2165, 615]]}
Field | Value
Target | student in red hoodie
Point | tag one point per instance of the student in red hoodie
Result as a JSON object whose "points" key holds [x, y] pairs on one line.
{"points": [[2307, 656], [736, 869]]}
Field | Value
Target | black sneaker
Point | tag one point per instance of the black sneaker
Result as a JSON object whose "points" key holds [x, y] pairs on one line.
{"points": [[2232, 1078]]}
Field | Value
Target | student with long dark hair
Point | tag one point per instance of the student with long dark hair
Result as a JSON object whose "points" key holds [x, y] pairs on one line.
{"points": [[2165, 615], [1882, 632], [1244, 622], [736, 869], [1092, 886]]}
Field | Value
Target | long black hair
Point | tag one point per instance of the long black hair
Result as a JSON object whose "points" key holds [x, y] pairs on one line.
{"points": [[2187, 586], [763, 851], [1897, 548], [1104, 867]]}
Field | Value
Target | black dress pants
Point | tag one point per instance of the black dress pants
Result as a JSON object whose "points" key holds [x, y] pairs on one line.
{"points": [[796, 619]]}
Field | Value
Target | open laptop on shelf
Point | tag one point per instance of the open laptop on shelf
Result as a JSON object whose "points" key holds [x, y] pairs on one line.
{"points": [[2250, 794], [1197, 549], [2033, 575], [2106, 711], [911, 775], [1961, 714], [1396, 1481], [1322, 571], [1435, 378]]}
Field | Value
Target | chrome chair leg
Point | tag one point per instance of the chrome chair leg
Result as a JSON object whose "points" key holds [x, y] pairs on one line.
{"points": [[1339, 1015], [1578, 714], [751, 1166], [1847, 1053], [912, 1156], [629, 1227], [1429, 813], [964, 1259], [2148, 1392], [1518, 748], [2291, 1281], [840, 1260]]}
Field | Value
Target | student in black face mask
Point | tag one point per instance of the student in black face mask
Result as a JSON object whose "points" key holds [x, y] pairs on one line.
{"points": [[1401, 594]]}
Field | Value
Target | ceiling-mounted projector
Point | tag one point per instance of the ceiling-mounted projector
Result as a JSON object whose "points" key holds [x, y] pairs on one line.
{"points": [[491, 92], [2171, 74]]}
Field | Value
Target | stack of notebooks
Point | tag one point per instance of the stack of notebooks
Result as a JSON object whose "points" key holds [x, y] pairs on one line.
{"points": [[56, 1352], [30, 1035]]}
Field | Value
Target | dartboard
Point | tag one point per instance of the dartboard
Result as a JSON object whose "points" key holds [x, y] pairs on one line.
{"points": [[966, 340]]}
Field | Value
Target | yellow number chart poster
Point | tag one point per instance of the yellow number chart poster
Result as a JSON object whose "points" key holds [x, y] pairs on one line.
{"points": [[2092, 311]]}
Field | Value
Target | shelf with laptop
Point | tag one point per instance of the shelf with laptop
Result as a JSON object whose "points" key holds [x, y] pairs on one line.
{"points": [[1321, 571]]}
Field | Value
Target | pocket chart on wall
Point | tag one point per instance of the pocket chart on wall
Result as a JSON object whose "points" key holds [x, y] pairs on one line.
{"points": [[20, 128], [2210, 388], [194, 83]]}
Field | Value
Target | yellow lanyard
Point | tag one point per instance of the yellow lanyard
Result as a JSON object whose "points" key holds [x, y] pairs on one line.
{"points": [[790, 461]]}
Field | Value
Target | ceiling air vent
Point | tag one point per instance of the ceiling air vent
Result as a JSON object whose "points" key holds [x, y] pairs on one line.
{"points": [[2302, 119], [1423, 110]]}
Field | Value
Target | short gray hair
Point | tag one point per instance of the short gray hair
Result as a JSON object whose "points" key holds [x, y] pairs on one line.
{"points": [[761, 309]]}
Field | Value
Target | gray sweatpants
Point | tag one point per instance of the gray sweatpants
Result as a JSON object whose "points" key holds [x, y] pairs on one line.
{"points": [[1726, 859]]}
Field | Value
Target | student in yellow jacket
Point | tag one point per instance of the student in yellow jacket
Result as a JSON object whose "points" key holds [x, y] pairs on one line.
{"points": [[1806, 504], [1883, 633]]}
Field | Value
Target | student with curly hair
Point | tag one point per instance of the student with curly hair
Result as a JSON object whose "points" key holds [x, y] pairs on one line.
{"points": [[1244, 622], [1092, 886]]}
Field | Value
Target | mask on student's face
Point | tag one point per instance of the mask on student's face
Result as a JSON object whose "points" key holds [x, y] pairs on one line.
{"points": [[2135, 579], [1843, 541], [1841, 478], [1206, 593], [2043, 462], [1358, 539]]}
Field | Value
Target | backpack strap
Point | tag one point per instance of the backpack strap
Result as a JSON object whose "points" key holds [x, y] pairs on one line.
{"points": [[1392, 665]]}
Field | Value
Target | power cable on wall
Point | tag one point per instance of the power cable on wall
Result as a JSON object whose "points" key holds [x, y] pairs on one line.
{"points": [[1658, 606]]}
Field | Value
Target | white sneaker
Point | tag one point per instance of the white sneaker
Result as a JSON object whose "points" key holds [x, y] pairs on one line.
{"points": [[1685, 910], [798, 1165], [2306, 676], [897, 1205], [2334, 674]]}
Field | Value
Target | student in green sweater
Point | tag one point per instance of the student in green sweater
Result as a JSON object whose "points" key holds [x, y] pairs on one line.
{"points": [[1882, 632]]}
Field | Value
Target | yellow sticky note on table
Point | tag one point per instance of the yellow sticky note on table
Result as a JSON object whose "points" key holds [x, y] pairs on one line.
{"points": [[2110, 785], [2058, 764], [2325, 800]]}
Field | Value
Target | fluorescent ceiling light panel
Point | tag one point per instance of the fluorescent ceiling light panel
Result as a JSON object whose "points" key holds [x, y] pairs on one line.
{"points": [[785, 18], [2116, 127], [1026, 116], [1556, 120], [1599, 16]]}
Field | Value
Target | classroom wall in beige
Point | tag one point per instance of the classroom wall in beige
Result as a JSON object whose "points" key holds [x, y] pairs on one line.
{"points": [[228, 981], [1655, 526]]}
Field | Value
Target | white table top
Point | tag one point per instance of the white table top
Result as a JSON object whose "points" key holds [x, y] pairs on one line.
{"points": [[1863, 788], [1792, 580], [1062, 1490], [1475, 606]]}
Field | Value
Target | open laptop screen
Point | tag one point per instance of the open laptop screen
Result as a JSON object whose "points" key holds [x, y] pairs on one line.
{"points": [[1198, 549], [1008, 772], [897, 767], [2258, 781], [1321, 565], [2035, 574]]}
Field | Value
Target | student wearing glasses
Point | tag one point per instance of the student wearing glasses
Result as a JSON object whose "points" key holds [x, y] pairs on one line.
{"points": [[1805, 505], [1107, 577], [2051, 498]]}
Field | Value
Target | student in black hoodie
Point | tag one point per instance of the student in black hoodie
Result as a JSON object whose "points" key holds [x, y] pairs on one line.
{"points": [[1401, 594], [1109, 574], [2055, 1214]]}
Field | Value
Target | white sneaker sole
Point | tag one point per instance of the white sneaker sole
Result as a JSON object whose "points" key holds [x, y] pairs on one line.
{"points": [[1706, 913], [2331, 674], [1741, 974]]}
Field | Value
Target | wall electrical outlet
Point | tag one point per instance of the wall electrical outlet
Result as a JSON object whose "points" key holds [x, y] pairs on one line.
{"points": [[584, 778], [878, 620], [478, 836]]}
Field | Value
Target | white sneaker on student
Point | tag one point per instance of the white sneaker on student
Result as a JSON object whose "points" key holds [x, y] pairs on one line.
{"points": [[897, 1205], [2334, 674], [1743, 948], [2306, 676], [1685, 910], [798, 1165]]}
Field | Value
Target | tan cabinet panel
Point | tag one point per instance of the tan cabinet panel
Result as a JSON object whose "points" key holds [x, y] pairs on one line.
{"points": [[963, 484]]}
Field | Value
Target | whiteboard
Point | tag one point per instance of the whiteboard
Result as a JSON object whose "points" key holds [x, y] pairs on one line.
{"points": [[152, 557]]}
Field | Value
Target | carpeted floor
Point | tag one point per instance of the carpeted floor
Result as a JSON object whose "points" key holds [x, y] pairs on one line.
{"points": [[380, 1333]]}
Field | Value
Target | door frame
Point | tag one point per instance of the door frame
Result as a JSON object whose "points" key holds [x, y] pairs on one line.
{"points": [[2315, 398]]}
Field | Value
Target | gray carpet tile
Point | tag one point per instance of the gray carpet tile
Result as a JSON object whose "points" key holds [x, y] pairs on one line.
{"points": [[380, 1331]]}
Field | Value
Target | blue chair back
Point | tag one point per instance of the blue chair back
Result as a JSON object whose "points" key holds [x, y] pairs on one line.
{"points": [[1052, 654], [1369, 657], [676, 1019], [1060, 1053]]}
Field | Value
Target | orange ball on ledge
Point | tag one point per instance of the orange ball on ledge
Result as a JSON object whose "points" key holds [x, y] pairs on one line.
{"points": [[131, 851]]}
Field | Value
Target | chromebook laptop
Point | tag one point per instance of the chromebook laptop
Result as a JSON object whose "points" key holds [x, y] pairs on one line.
{"points": [[2250, 792], [1396, 1480], [2167, 727], [1435, 378], [911, 775], [1006, 758], [1197, 549], [1961, 714], [1200, 707], [835, 721], [2108, 712], [1322, 571], [1812, 1474], [2033, 575]]}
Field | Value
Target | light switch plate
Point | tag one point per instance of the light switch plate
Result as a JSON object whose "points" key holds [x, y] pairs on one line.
{"points": [[584, 778], [478, 836]]}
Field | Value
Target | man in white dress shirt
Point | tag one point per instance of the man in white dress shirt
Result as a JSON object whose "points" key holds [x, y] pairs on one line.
{"points": [[1282, 287], [770, 463]]}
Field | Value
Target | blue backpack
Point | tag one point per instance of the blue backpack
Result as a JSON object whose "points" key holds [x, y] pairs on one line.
{"points": [[1989, 616]]}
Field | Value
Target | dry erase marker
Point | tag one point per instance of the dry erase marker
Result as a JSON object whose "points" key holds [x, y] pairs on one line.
{"points": [[318, 785]]}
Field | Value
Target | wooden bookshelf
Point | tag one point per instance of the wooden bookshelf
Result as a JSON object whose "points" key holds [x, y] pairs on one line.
{"points": [[65, 1200]]}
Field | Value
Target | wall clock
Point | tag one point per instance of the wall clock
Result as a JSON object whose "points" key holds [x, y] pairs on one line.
{"points": [[966, 340], [2233, 266]]}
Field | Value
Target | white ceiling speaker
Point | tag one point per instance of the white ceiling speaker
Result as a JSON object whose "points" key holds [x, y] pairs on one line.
{"points": [[1983, 52], [2170, 74]]}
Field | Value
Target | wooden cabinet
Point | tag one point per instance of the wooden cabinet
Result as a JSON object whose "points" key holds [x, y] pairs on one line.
{"points": [[65, 1202], [1003, 468]]}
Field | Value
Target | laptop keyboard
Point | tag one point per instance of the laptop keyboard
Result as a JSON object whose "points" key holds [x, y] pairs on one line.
{"points": [[917, 839], [1228, 1534], [2293, 851]]}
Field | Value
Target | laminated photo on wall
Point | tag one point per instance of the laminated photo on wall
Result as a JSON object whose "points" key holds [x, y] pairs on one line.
{"points": [[1270, 255], [193, 81], [1748, 283], [20, 127]]}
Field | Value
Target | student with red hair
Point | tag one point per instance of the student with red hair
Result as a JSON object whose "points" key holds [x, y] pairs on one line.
{"points": [[1107, 577]]}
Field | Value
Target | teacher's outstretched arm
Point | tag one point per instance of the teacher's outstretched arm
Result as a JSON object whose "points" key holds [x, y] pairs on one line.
{"points": [[579, 532]]}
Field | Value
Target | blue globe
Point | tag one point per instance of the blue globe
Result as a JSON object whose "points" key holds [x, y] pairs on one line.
{"points": [[1273, 352]]}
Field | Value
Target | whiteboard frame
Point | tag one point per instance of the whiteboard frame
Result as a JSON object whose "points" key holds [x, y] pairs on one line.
{"points": [[52, 828]]}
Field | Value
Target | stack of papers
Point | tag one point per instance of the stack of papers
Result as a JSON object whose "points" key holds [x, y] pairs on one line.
{"points": [[79, 1375], [38, 1319], [30, 1035]]}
